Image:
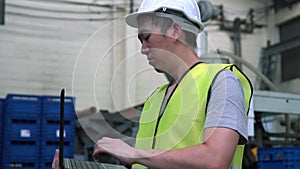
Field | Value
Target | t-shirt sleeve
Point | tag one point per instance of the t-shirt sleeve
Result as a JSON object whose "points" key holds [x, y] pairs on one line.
{"points": [[226, 106]]}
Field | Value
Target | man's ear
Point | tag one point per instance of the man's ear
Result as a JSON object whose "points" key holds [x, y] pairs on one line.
{"points": [[177, 31]]}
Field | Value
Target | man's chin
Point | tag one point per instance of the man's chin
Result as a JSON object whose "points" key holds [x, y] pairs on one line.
{"points": [[159, 71]]}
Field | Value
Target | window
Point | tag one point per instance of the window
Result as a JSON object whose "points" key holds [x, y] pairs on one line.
{"points": [[290, 59]]}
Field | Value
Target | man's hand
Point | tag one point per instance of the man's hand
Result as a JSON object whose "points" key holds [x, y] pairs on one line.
{"points": [[55, 162], [115, 147]]}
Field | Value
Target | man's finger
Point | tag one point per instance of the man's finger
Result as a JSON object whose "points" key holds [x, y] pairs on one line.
{"points": [[55, 164]]}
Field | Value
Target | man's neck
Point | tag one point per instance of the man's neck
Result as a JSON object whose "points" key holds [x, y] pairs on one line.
{"points": [[187, 58]]}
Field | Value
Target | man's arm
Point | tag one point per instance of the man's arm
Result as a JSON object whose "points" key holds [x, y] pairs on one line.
{"points": [[216, 152]]}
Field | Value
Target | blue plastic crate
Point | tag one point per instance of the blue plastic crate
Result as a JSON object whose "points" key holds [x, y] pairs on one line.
{"points": [[1, 127], [22, 128], [48, 148], [46, 163], [50, 129], [1, 109], [51, 117], [51, 125], [20, 163], [1, 142], [52, 120], [18, 103], [51, 105], [279, 158], [21, 148], [11, 115]]}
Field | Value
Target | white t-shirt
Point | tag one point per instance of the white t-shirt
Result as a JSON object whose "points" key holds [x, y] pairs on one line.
{"points": [[226, 106]]}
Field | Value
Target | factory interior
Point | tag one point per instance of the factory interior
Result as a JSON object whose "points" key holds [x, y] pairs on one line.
{"points": [[86, 48]]}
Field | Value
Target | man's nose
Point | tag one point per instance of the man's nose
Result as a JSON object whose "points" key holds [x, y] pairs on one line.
{"points": [[145, 48]]}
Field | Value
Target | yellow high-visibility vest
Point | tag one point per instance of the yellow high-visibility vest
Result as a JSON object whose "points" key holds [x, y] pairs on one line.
{"points": [[183, 119]]}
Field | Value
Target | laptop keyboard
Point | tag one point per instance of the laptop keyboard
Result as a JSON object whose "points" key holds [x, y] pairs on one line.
{"points": [[78, 164]]}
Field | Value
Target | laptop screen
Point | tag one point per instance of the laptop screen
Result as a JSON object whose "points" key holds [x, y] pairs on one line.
{"points": [[61, 129]]}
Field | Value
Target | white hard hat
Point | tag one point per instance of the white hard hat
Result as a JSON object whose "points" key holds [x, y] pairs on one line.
{"points": [[189, 8]]}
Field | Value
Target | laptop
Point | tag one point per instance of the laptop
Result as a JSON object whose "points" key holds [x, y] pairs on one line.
{"points": [[68, 163]]}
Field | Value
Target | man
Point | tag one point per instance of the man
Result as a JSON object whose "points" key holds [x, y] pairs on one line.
{"points": [[198, 120]]}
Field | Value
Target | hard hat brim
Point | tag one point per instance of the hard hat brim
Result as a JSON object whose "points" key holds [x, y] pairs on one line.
{"points": [[132, 20]]}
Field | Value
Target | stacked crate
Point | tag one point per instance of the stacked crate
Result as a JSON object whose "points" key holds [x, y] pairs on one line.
{"points": [[51, 125], [21, 141], [279, 158], [1, 127]]}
